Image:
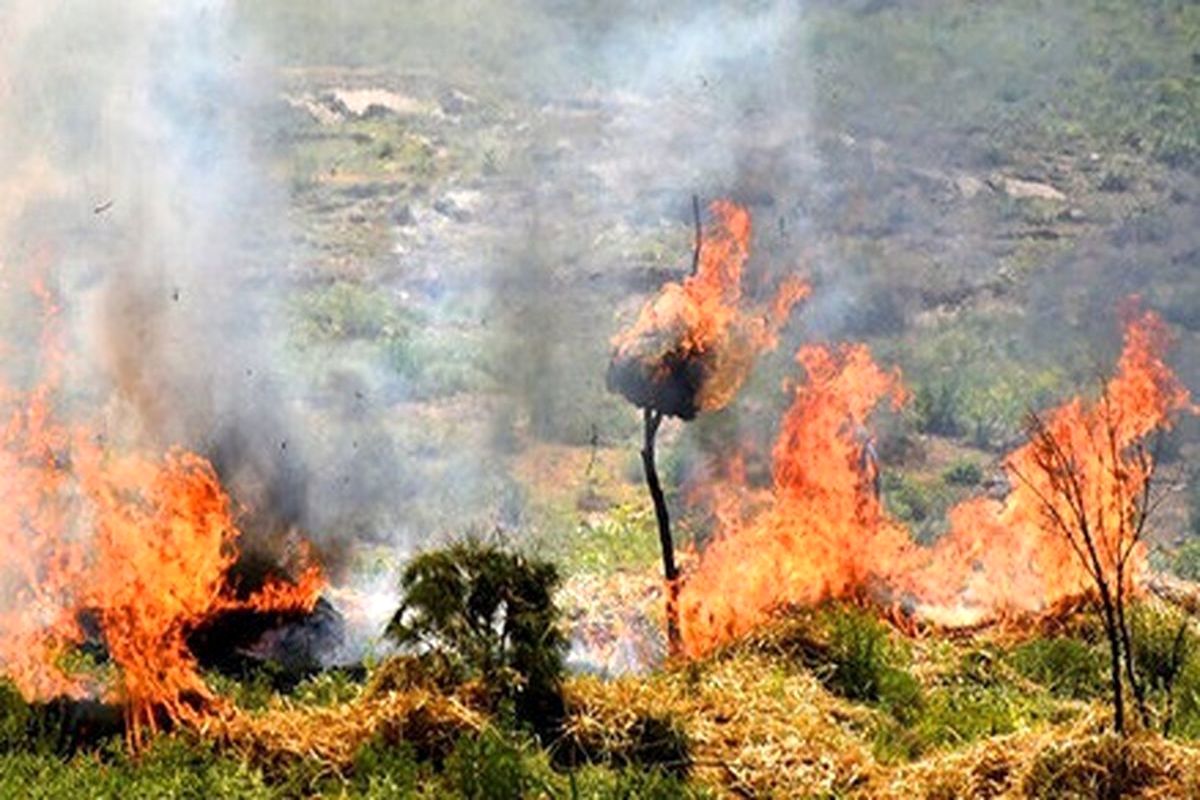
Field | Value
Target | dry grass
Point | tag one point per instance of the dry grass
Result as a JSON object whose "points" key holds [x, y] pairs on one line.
{"points": [[753, 728], [1082, 760], [425, 718], [751, 721]]}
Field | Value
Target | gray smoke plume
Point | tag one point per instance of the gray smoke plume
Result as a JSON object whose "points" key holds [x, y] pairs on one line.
{"points": [[138, 175]]}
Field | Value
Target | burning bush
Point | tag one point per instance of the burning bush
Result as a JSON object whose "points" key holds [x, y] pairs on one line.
{"points": [[119, 549], [824, 534]]}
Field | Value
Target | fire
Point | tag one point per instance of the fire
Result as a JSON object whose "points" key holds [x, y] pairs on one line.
{"points": [[692, 346], [1002, 556], [822, 533], [132, 545]]}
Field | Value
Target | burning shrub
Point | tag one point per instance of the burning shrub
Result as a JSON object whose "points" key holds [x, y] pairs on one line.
{"points": [[489, 614]]}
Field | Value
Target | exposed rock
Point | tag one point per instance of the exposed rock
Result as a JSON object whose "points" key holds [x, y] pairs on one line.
{"points": [[1025, 190], [968, 186], [448, 208], [337, 105], [454, 102]]}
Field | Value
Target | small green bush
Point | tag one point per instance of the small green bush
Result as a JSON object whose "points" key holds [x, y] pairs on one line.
{"points": [[937, 407], [1162, 643], [863, 663], [15, 719], [595, 783], [173, 767], [382, 769], [1185, 722], [489, 765], [1186, 563], [1193, 500], [327, 688], [490, 614], [346, 310], [963, 473]]}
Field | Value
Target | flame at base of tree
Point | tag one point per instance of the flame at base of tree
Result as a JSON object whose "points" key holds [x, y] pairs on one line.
{"points": [[822, 533], [123, 547]]}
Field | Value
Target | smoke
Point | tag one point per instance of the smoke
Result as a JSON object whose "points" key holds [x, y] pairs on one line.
{"points": [[140, 194]]}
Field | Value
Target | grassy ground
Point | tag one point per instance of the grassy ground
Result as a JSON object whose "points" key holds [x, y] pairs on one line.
{"points": [[827, 702]]}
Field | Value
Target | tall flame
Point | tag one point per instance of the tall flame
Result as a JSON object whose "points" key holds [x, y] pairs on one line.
{"points": [[136, 545], [1005, 556], [822, 532]]}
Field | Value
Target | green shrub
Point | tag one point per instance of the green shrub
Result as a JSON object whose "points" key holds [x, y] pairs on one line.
{"points": [[1167, 656], [382, 769], [1162, 643], [922, 504], [596, 783], [937, 406], [1186, 563], [963, 473], [349, 311], [490, 614], [1185, 722], [1193, 501], [1066, 666], [15, 718], [863, 663], [172, 767], [488, 766], [327, 688], [625, 537], [250, 692]]}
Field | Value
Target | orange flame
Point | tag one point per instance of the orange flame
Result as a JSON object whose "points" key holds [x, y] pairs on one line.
{"points": [[702, 323], [140, 545], [1004, 556], [823, 533]]}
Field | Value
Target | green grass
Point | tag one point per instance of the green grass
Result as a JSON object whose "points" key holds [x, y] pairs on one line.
{"points": [[624, 538], [1068, 667]]}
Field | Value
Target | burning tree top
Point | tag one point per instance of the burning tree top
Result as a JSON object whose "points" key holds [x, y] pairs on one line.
{"points": [[693, 345]]}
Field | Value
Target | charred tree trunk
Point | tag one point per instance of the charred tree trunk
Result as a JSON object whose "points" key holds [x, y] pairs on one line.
{"points": [[652, 420], [1114, 646]]}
